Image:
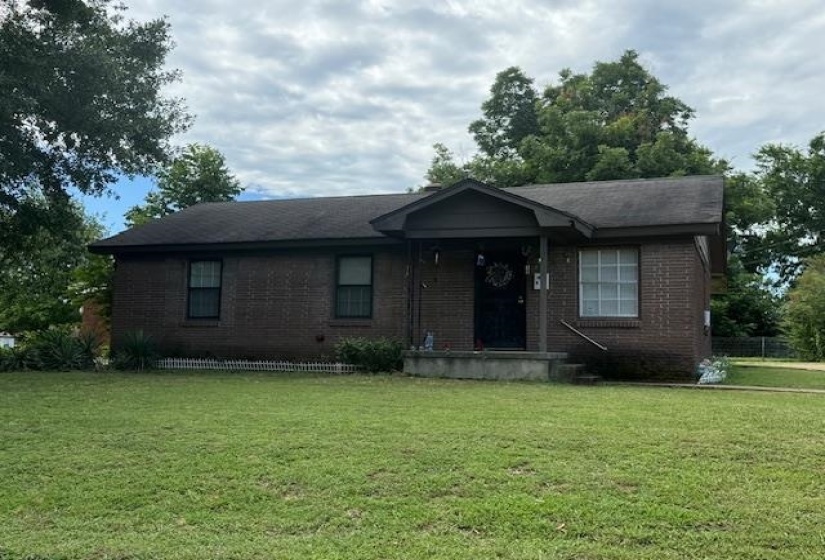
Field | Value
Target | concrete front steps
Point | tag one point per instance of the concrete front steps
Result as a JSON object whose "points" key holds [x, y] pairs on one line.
{"points": [[497, 365], [573, 373]]}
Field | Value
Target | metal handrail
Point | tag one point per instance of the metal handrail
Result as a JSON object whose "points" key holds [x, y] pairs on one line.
{"points": [[584, 336]]}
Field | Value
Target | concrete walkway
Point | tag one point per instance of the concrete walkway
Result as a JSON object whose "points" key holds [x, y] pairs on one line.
{"points": [[725, 387]]}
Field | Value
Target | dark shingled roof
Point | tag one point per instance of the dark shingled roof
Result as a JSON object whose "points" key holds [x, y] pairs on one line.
{"points": [[606, 204]]}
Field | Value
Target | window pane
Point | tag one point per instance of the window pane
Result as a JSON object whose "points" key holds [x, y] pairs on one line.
{"points": [[609, 274], [628, 308], [205, 274], [590, 308], [628, 273], [609, 290], [354, 301], [589, 258], [627, 291], [629, 256], [590, 274], [355, 271], [590, 291], [610, 307], [609, 257], [204, 302]]}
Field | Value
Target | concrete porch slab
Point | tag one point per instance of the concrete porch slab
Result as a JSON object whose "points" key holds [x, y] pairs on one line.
{"points": [[495, 365]]}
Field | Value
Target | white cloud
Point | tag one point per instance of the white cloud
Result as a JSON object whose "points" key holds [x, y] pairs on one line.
{"points": [[325, 98]]}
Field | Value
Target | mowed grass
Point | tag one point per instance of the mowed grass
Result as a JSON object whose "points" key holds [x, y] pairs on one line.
{"points": [[253, 466], [775, 376]]}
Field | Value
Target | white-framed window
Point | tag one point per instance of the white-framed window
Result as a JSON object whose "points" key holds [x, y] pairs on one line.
{"points": [[353, 292], [609, 282]]}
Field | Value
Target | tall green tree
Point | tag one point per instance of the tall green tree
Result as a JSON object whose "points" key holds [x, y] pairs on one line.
{"points": [[198, 174], [81, 103], [792, 180], [804, 320], [36, 281], [749, 307], [615, 123], [508, 115]]}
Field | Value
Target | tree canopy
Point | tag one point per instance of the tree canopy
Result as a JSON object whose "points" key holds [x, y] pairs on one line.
{"points": [[81, 102], [198, 174], [804, 320], [749, 307], [615, 123], [789, 187], [35, 282]]}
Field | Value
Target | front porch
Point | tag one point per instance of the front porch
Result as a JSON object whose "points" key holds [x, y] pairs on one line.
{"points": [[479, 269]]}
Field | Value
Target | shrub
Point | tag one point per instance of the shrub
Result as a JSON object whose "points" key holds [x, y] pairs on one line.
{"points": [[12, 359], [136, 351], [58, 349], [372, 354]]}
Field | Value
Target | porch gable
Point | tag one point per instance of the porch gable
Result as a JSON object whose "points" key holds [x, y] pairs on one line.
{"points": [[471, 209]]}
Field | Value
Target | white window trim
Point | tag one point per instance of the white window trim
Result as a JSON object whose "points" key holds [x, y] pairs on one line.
{"points": [[618, 282]]}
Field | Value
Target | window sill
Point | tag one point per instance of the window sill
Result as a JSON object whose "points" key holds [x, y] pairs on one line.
{"points": [[197, 323], [350, 323], [609, 323]]}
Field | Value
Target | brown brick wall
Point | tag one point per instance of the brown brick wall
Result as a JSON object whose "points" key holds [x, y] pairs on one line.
{"points": [[668, 337], [446, 304], [261, 318]]}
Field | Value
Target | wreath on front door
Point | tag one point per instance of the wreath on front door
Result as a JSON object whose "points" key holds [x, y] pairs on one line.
{"points": [[499, 275]]}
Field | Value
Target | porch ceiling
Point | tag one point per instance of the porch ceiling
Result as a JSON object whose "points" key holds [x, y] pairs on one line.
{"points": [[471, 209]]}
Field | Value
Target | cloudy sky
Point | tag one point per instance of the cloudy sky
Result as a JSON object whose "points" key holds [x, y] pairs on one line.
{"points": [[313, 98]]}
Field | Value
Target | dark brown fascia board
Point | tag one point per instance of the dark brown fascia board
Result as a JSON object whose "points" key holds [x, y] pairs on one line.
{"points": [[244, 246], [598, 234], [393, 222], [657, 231]]}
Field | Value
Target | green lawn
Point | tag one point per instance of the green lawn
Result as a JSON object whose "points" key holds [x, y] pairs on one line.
{"points": [[106, 466], [775, 376]]}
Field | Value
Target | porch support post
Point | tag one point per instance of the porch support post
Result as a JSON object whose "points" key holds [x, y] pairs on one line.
{"points": [[543, 293]]}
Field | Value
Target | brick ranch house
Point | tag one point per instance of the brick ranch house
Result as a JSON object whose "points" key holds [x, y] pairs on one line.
{"points": [[628, 266]]}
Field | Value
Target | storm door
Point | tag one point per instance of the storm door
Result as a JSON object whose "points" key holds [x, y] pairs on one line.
{"points": [[500, 318]]}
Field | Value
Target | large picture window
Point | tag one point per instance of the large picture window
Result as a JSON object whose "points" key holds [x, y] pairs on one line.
{"points": [[609, 283], [204, 290], [353, 291]]}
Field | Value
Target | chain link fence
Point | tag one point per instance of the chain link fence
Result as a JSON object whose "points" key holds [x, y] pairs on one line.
{"points": [[752, 347]]}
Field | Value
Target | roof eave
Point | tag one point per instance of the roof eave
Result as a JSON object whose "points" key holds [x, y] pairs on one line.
{"points": [[241, 246], [662, 230]]}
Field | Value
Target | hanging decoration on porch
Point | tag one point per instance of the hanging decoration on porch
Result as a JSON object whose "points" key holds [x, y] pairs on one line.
{"points": [[499, 274]]}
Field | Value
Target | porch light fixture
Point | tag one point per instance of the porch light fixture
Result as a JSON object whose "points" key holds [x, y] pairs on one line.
{"points": [[480, 259], [436, 255]]}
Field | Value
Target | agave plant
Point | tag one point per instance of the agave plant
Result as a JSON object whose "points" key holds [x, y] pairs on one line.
{"points": [[135, 351]]}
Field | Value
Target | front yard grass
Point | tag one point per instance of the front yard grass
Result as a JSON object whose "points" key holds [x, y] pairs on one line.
{"points": [[170, 466]]}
